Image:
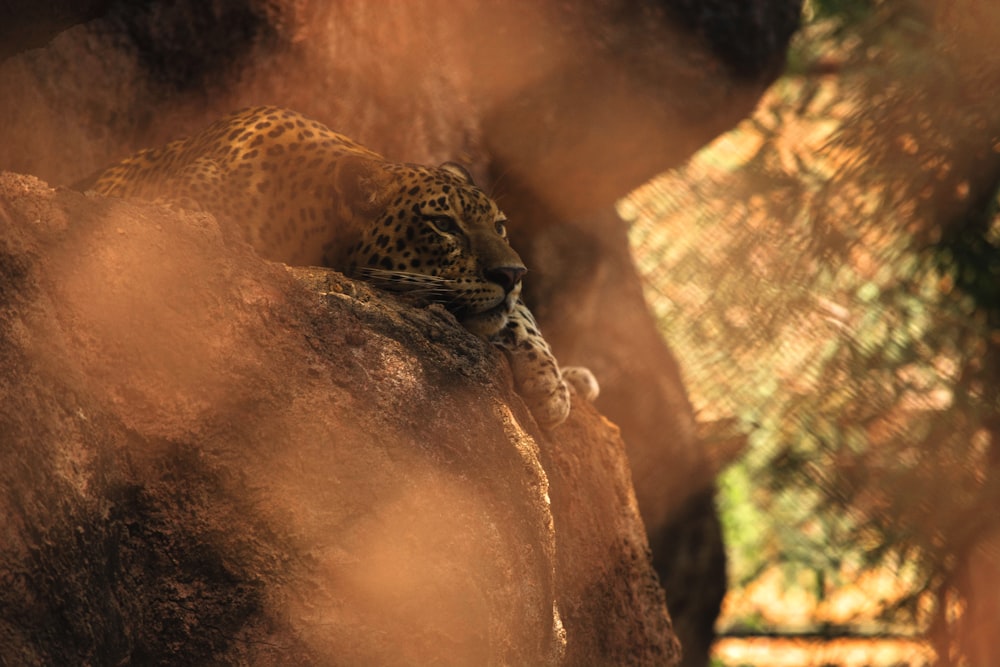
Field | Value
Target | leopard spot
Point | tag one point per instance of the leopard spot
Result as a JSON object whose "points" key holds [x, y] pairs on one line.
{"points": [[285, 180]]}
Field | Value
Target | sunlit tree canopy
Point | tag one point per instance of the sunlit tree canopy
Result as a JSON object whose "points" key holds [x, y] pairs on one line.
{"points": [[829, 274]]}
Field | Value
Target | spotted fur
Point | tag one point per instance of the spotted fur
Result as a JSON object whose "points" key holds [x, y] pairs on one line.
{"points": [[302, 194]]}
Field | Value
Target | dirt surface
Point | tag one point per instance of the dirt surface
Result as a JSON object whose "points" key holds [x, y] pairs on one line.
{"points": [[210, 457]]}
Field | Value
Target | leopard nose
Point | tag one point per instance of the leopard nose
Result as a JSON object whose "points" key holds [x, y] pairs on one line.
{"points": [[506, 277]]}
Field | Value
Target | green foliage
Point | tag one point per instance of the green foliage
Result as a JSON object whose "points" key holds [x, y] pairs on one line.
{"points": [[744, 525], [849, 11], [830, 274]]}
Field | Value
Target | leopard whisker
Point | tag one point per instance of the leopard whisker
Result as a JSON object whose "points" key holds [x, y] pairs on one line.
{"points": [[434, 288], [410, 282], [400, 276], [209, 172]]}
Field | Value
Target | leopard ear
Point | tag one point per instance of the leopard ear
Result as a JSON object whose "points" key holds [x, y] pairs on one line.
{"points": [[456, 169], [362, 184]]}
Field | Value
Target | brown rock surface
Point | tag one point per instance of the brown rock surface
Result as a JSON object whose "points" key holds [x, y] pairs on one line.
{"points": [[207, 457], [558, 108]]}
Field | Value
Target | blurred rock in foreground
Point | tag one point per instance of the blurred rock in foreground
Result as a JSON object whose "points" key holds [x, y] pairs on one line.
{"points": [[210, 458]]}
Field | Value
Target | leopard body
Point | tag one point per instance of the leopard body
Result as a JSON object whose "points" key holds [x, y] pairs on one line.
{"points": [[302, 194]]}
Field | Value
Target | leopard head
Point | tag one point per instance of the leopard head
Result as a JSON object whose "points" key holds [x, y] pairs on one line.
{"points": [[437, 235]]}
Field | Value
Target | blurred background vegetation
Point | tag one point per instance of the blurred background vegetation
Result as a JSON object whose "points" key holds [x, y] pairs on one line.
{"points": [[829, 274]]}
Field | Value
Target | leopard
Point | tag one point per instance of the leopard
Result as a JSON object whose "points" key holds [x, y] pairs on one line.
{"points": [[301, 194]]}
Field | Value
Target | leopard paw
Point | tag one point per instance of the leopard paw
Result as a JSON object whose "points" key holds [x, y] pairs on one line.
{"points": [[550, 408], [582, 381]]}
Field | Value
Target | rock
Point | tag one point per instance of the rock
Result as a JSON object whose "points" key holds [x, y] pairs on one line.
{"points": [[558, 108], [207, 457], [29, 25]]}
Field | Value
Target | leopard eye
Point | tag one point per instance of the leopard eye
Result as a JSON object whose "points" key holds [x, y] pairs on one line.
{"points": [[443, 223], [501, 228]]}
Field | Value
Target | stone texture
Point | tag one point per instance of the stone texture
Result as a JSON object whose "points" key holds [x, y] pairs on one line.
{"points": [[558, 108], [29, 24], [207, 457]]}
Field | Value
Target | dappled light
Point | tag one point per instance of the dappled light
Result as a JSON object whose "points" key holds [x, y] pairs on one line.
{"points": [[826, 274]]}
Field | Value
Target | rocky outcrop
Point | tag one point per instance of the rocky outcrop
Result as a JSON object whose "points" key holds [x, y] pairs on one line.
{"points": [[207, 457], [28, 25], [558, 108]]}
